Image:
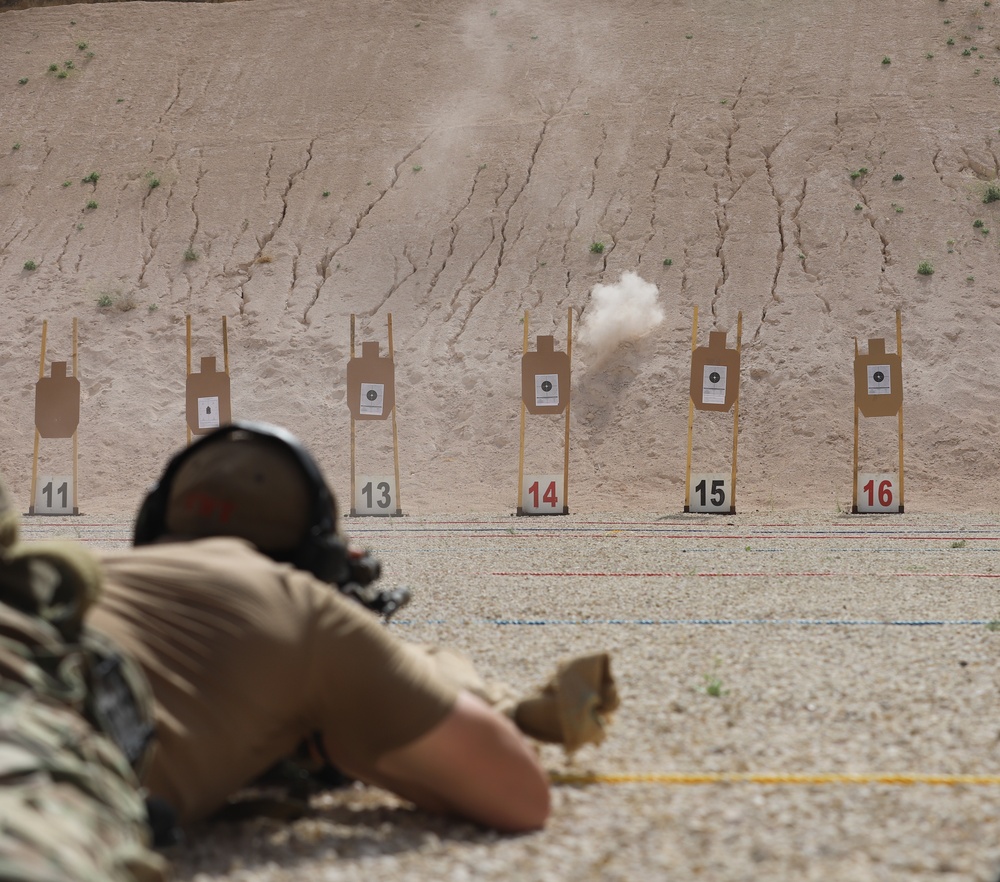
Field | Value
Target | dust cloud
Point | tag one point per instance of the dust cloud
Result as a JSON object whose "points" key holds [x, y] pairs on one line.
{"points": [[618, 314]]}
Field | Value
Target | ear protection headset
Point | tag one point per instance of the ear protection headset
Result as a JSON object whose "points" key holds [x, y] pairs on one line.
{"points": [[321, 551]]}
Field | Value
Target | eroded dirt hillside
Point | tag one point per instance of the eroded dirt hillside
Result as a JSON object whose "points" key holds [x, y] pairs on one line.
{"points": [[453, 164]]}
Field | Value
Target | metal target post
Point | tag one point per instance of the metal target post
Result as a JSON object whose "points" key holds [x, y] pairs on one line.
{"points": [[520, 464], [899, 352], [76, 374], [38, 435], [687, 473], [395, 445], [878, 392], [371, 396], [714, 386], [736, 414], [57, 415], [352, 426], [545, 389]]}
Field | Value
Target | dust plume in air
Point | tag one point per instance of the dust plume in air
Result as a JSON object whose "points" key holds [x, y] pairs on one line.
{"points": [[618, 314]]}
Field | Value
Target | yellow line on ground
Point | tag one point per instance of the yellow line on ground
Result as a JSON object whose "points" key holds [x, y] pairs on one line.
{"points": [[898, 778]]}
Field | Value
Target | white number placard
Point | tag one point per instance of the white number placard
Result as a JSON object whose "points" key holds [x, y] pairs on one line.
{"points": [[54, 495], [546, 390], [713, 386], [878, 493], [710, 493], [372, 398], [542, 494], [879, 379], [208, 412], [375, 495]]}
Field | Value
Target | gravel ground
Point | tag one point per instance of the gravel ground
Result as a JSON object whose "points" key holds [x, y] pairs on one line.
{"points": [[808, 644]]}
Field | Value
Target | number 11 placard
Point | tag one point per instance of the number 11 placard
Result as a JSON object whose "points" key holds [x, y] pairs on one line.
{"points": [[54, 495]]}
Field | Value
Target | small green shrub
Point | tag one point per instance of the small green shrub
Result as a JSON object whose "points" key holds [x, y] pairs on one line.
{"points": [[924, 268], [668, 261], [713, 686], [992, 193], [62, 75], [105, 301], [81, 46], [53, 68], [897, 177], [977, 224], [860, 173], [597, 248], [22, 81], [326, 193], [886, 59], [91, 205], [190, 254], [91, 178], [30, 265]]}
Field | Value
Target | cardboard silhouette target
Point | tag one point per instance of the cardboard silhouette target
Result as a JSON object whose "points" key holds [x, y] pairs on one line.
{"points": [[878, 380], [57, 403], [208, 399], [715, 374], [878, 392], [545, 378], [57, 416], [714, 386], [545, 389], [371, 395]]}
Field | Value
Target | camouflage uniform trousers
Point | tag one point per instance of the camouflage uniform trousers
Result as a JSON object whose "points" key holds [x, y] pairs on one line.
{"points": [[70, 805]]}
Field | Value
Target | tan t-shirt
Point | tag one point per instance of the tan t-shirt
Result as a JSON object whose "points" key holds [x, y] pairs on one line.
{"points": [[246, 657]]}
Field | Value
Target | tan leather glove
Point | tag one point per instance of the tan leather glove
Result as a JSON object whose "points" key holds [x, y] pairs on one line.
{"points": [[574, 707]]}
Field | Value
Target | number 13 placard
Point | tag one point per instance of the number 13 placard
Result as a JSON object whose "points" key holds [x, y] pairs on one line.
{"points": [[375, 495]]}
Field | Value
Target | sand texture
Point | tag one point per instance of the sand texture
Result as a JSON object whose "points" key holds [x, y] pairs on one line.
{"points": [[858, 650]]}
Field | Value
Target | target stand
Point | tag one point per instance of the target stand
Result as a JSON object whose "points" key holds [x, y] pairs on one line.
{"points": [[207, 392], [545, 389], [878, 392], [714, 386], [57, 415], [371, 395]]}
